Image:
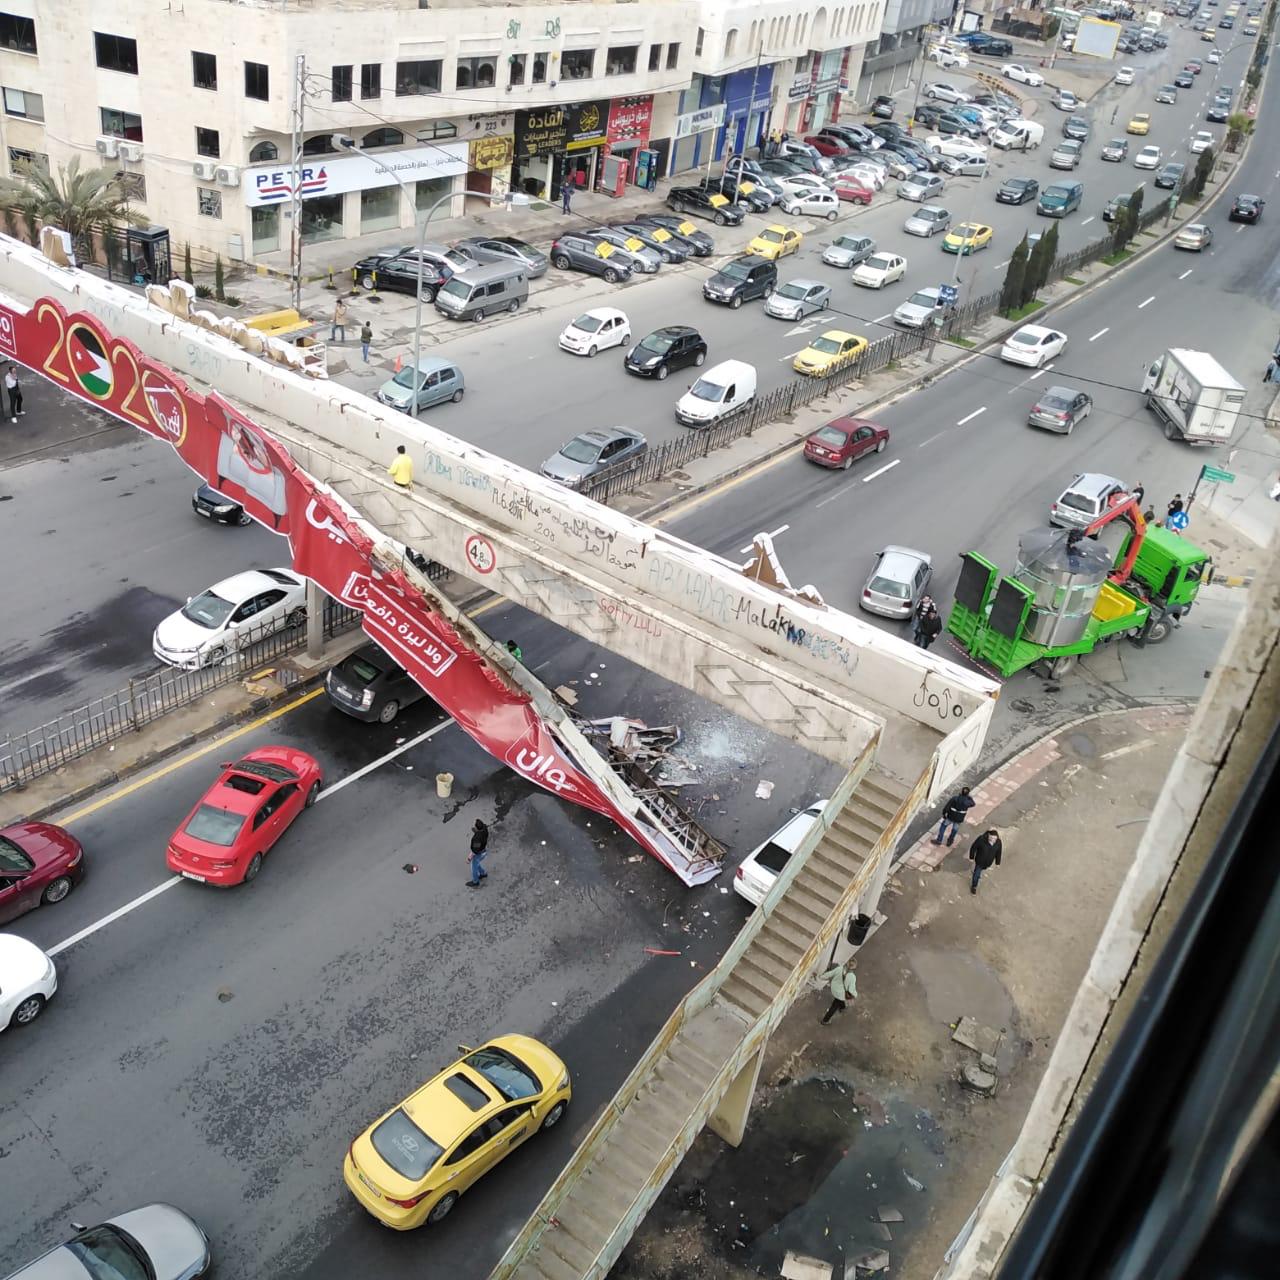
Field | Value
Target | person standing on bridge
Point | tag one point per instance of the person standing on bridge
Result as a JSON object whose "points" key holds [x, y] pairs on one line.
{"points": [[479, 848], [844, 987], [14, 390], [401, 468]]}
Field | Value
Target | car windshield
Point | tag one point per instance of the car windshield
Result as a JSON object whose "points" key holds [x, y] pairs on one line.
{"points": [[832, 436], [773, 237], [877, 263], [578, 450], [107, 1253], [505, 1072], [1025, 339], [658, 343], [588, 323], [704, 390], [846, 242], [1077, 502], [1055, 400], [735, 270], [405, 378], [215, 826], [793, 291], [773, 857], [208, 610], [404, 1146], [888, 587], [457, 289], [828, 346], [922, 300], [359, 669]]}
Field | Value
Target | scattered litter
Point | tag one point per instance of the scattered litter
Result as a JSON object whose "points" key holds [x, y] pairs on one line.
{"points": [[796, 1158], [706, 915], [224, 995], [654, 951], [887, 1213], [872, 1261], [557, 882], [723, 889], [970, 1033], [555, 1004], [410, 867], [915, 1183], [565, 694], [881, 1232], [636, 857], [764, 790]]}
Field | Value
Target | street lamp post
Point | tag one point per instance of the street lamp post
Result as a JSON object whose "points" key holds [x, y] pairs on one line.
{"points": [[955, 272], [511, 200]]}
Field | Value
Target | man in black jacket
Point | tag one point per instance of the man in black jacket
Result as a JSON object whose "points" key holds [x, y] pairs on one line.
{"points": [[954, 812], [930, 627], [984, 852]]}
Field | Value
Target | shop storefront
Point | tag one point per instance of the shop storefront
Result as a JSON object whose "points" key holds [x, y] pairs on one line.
{"points": [[627, 134], [695, 133], [556, 142], [824, 92], [747, 97], [489, 165]]}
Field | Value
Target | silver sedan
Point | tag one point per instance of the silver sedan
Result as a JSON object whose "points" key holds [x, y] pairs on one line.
{"points": [[848, 251], [797, 299], [1194, 236]]}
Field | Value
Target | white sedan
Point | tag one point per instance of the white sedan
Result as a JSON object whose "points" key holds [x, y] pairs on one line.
{"points": [[1033, 345], [1125, 75], [948, 57], [28, 981], [940, 91], [1202, 141], [229, 616], [957, 148], [762, 866], [595, 330], [879, 270], [1147, 158], [1016, 71], [801, 184], [870, 175], [820, 204]]}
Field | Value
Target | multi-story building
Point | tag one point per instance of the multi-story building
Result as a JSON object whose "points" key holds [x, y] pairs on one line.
{"points": [[903, 33], [198, 105]]}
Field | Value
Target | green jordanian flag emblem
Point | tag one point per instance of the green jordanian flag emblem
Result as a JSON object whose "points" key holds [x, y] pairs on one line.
{"points": [[89, 362]]}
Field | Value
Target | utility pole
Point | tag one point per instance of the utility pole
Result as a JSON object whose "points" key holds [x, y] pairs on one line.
{"points": [[295, 197]]}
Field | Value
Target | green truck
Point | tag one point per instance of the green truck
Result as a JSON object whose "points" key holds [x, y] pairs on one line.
{"points": [[1068, 595]]}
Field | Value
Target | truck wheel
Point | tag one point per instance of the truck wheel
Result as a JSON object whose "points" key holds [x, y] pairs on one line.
{"points": [[1158, 630], [1169, 432], [1060, 666]]}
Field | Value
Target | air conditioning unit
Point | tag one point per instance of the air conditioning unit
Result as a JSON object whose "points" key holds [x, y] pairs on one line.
{"points": [[109, 147], [228, 176], [131, 151], [204, 169]]}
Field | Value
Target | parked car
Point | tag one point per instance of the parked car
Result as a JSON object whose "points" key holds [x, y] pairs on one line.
{"points": [[239, 819], [438, 381], [816, 204], [922, 187], [574, 252], [506, 249], [741, 280], [209, 503], [1023, 75], [882, 107], [630, 249], [832, 350], [973, 165], [744, 191], [896, 582], [928, 220], [230, 614], [369, 685], [396, 270], [154, 1242], [1116, 150], [879, 270], [946, 58], [941, 91], [775, 242], [667, 246], [849, 187], [1060, 409], [658, 353], [706, 204], [1033, 345], [796, 299], [702, 244], [1246, 208], [596, 330], [920, 309], [1171, 175], [1085, 499], [1017, 190], [39, 865], [589, 452], [848, 250], [759, 870], [844, 440]]}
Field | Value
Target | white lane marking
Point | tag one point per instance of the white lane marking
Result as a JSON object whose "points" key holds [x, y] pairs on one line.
{"points": [[781, 529], [1086, 222], [1000, 266], [1148, 302], [1186, 273], [113, 916], [888, 466], [792, 356], [1099, 334], [381, 760], [800, 328], [937, 436], [970, 417], [881, 319], [1039, 373]]}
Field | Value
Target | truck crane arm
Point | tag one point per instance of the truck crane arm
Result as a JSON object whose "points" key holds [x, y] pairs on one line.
{"points": [[1124, 506]]}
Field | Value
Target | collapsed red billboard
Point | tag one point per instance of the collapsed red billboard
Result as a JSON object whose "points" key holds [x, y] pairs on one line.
{"points": [[246, 463]]}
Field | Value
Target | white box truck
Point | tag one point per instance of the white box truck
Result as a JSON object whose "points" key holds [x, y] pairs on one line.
{"points": [[1195, 397]]}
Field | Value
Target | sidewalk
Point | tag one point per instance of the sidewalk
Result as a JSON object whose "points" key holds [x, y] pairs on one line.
{"points": [[862, 1137]]}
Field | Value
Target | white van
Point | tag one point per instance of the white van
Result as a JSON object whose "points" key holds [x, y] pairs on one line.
{"points": [[721, 391], [1018, 135]]}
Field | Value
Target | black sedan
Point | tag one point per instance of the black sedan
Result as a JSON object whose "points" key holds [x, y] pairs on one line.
{"points": [[673, 347], [369, 686], [706, 204], [1184, 80], [1246, 209], [682, 229], [1170, 177], [208, 502], [398, 273], [1017, 190], [663, 243], [744, 192]]}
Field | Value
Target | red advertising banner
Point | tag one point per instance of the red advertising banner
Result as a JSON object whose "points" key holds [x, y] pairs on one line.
{"points": [[630, 119], [244, 462]]}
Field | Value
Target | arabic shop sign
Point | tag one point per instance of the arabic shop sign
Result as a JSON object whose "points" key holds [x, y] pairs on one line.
{"points": [[541, 133], [630, 119], [492, 153], [699, 121]]}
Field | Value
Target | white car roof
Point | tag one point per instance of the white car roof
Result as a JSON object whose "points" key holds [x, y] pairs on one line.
{"points": [[1035, 331], [789, 835], [601, 313], [21, 962], [242, 585]]}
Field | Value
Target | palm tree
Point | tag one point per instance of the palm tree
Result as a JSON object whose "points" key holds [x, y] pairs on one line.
{"points": [[81, 202]]}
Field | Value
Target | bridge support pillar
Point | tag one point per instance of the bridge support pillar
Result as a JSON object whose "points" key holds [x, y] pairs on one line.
{"points": [[729, 1119], [315, 620]]}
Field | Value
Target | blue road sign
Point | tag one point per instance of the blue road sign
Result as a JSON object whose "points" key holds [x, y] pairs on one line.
{"points": [[1178, 521], [947, 294]]}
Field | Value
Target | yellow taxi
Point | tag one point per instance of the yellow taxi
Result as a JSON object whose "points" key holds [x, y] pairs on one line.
{"points": [[1208, 37], [833, 350], [775, 242], [968, 237], [1141, 123], [411, 1165]]}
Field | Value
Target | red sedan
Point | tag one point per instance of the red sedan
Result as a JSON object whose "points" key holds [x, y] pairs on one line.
{"points": [[250, 806], [825, 145], [848, 188], [844, 439], [38, 863]]}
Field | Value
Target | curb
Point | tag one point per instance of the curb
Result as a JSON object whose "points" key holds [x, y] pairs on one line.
{"points": [[1022, 768]]}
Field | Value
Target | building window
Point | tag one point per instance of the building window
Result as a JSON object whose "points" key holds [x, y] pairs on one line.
{"points": [[477, 73], [207, 143], [804, 64], [265, 228], [379, 209], [427, 192], [341, 89], [204, 70], [655, 57], [673, 55], [132, 185], [120, 124], [116, 53], [622, 60], [577, 64], [730, 41], [417, 77], [320, 145], [383, 138], [257, 81], [264, 152], [17, 33], [371, 80], [436, 130], [697, 44], [35, 159], [539, 68], [322, 219], [516, 63], [209, 202], [27, 106]]}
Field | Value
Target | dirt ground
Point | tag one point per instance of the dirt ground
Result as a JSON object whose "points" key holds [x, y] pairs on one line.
{"points": [[865, 1119]]}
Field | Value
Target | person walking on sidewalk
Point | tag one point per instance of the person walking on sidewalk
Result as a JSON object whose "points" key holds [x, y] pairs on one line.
{"points": [[926, 603], [14, 390], [954, 812], [930, 627], [566, 191], [844, 987], [984, 852], [366, 337], [479, 848], [339, 326], [401, 468]]}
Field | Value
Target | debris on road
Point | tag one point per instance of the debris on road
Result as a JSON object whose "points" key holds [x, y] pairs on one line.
{"points": [[887, 1213], [970, 1033], [797, 1266], [763, 789], [871, 1262]]}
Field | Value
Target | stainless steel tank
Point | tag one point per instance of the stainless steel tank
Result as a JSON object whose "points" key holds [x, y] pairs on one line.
{"points": [[1066, 578]]}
